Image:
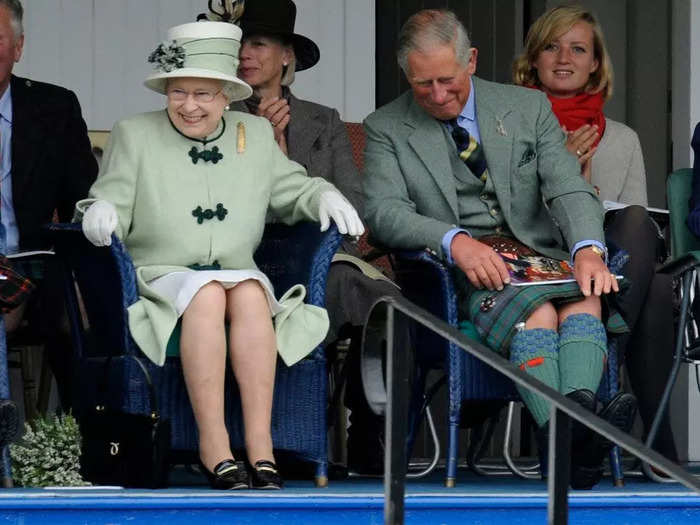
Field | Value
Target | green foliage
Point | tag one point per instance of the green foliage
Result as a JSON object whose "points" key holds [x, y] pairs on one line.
{"points": [[48, 454]]}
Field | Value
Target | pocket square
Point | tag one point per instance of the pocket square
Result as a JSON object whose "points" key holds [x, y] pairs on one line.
{"points": [[527, 157]]}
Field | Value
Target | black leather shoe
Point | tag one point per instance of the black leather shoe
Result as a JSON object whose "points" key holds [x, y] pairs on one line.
{"points": [[9, 422], [264, 476], [580, 433], [620, 412], [586, 461], [227, 475]]}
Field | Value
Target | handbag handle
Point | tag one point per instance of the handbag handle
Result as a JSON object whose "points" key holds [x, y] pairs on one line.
{"points": [[101, 389]]}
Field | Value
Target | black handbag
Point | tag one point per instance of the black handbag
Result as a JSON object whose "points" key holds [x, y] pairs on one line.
{"points": [[129, 450]]}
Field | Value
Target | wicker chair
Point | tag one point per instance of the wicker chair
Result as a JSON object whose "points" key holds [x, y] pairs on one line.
{"points": [[428, 282], [107, 282]]}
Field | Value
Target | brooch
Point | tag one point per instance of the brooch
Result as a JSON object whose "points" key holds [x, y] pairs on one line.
{"points": [[240, 143], [487, 303], [500, 128]]}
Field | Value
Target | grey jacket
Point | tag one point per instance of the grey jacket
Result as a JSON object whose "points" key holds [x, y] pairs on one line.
{"points": [[317, 139], [410, 188]]}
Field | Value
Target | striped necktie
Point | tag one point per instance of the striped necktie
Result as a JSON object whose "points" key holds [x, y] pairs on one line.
{"points": [[470, 151]]}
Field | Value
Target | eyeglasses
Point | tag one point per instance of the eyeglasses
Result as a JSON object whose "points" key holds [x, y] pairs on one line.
{"points": [[199, 96]]}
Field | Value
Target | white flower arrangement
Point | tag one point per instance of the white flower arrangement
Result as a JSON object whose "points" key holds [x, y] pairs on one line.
{"points": [[48, 454]]}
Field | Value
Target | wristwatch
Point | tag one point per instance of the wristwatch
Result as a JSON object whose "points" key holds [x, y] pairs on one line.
{"points": [[596, 249]]}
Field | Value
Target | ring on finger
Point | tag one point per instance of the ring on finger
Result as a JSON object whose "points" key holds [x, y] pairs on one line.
{"points": [[273, 125], [578, 151]]}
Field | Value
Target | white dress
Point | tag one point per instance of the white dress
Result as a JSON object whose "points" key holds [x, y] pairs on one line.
{"points": [[180, 287]]}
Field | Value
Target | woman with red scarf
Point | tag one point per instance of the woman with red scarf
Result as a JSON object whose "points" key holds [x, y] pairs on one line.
{"points": [[565, 57]]}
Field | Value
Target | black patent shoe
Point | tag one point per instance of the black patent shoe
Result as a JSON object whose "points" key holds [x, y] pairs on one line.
{"points": [[227, 475], [264, 476]]}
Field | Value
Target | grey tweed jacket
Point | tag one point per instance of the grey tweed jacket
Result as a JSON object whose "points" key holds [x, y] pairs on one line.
{"points": [[410, 188]]}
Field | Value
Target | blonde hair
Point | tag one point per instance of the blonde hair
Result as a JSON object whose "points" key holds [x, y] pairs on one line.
{"points": [[550, 26], [290, 68]]}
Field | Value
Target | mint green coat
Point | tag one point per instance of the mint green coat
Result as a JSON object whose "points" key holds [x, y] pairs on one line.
{"points": [[149, 177]]}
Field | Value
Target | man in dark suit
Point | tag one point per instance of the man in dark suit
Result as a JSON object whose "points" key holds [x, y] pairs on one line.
{"points": [[47, 165]]}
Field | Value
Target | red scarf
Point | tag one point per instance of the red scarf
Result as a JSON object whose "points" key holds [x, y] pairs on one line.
{"points": [[574, 112]]}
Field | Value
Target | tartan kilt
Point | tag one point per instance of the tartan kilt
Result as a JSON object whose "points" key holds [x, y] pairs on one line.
{"points": [[14, 287], [514, 304]]}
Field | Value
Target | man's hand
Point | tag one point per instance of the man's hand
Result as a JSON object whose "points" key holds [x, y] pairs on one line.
{"points": [[589, 266], [276, 110], [480, 263]]}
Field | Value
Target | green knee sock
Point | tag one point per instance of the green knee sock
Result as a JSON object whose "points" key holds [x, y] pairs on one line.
{"points": [[583, 350], [536, 352]]}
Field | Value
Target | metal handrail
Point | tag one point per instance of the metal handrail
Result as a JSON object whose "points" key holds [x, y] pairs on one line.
{"points": [[393, 402]]}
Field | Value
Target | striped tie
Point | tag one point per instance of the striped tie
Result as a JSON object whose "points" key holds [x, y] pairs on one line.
{"points": [[470, 151]]}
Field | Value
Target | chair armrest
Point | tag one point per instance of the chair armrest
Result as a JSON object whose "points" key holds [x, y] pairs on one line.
{"points": [[427, 281], [425, 261], [320, 265], [681, 264]]}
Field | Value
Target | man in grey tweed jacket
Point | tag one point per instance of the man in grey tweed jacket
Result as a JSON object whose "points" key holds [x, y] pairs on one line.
{"points": [[422, 192]]}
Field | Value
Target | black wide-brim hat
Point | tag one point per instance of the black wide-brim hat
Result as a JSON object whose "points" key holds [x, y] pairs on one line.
{"points": [[276, 18]]}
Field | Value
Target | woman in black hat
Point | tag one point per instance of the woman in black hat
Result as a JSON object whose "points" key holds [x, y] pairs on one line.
{"points": [[314, 136], [308, 133]]}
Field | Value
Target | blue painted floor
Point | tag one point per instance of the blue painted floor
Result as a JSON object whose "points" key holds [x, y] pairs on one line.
{"points": [[476, 499]]}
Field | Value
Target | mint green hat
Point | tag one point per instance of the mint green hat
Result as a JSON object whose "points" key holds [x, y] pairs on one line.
{"points": [[200, 50]]}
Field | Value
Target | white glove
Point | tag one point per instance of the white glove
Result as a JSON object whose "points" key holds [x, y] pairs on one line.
{"points": [[99, 221], [332, 205]]}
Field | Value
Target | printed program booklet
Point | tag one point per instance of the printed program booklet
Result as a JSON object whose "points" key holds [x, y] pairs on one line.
{"points": [[527, 267], [527, 270]]}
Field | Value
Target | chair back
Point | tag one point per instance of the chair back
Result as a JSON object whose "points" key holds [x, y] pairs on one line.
{"points": [[298, 254], [107, 282], [678, 191], [356, 134]]}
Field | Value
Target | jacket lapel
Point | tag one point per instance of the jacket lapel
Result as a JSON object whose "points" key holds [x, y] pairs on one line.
{"points": [[305, 127], [496, 139], [26, 136], [427, 139]]}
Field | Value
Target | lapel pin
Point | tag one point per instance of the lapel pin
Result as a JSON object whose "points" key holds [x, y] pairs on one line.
{"points": [[499, 127], [240, 144]]}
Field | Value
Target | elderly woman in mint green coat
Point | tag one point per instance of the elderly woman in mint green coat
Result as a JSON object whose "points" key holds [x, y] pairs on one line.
{"points": [[187, 190]]}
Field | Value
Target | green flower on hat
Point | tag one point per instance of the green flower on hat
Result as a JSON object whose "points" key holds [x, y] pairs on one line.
{"points": [[168, 56]]}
